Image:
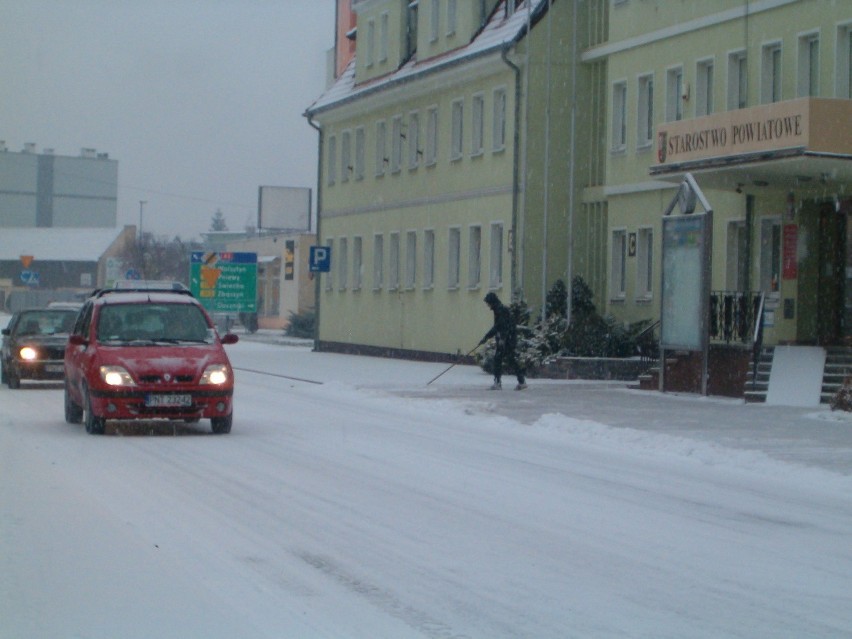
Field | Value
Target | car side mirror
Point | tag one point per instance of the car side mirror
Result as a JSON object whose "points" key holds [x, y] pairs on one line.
{"points": [[6, 331], [230, 338], [77, 340]]}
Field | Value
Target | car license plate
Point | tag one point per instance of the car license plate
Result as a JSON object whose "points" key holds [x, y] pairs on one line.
{"points": [[168, 400], [53, 368]]}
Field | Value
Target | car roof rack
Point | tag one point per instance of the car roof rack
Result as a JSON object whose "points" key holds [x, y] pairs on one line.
{"points": [[142, 289]]}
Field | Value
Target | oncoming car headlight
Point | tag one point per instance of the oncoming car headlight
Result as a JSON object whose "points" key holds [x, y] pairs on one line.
{"points": [[28, 353], [116, 376], [215, 374]]}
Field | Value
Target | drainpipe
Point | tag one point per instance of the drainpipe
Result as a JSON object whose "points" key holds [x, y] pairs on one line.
{"points": [[516, 170], [319, 218], [546, 202], [572, 167]]}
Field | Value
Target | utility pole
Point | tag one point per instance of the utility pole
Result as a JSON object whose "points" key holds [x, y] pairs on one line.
{"points": [[142, 204]]}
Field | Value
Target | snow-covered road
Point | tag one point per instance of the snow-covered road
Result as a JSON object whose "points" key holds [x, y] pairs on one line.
{"points": [[336, 511]]}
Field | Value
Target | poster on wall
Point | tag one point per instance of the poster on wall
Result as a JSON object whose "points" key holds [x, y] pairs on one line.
{"points": [[790, 265]]}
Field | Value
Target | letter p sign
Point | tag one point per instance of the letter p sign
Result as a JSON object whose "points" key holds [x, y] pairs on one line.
{"points": [[320, 259]]}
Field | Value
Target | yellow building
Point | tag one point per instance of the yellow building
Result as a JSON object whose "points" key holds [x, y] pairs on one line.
{"points": [[446, 148], [753, 99]]}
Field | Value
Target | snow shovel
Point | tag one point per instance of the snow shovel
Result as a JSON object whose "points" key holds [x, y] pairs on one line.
{"points": [[451, 365]]}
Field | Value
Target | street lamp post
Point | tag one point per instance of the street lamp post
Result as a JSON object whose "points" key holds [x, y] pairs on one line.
{"points": [[142, 204]]}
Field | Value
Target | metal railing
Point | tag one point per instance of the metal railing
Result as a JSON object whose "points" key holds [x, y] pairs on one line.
{"points": [[734, 316]]}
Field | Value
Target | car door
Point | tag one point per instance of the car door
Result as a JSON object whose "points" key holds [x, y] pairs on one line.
{"points": [[75, 354]]}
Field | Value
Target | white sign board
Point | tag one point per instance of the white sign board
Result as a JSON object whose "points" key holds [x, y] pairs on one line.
{"points": [[284, 208]]}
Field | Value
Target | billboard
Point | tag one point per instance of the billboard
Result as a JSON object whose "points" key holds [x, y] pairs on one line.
{"points": [[284, 208]]}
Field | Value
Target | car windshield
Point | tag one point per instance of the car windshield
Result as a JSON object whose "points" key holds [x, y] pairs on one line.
{"points": [[45, 322], [166, 323]]}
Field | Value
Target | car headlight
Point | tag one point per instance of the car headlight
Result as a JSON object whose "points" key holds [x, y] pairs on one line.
{"points": [[28, 353], [116, 376], [215, 374]]}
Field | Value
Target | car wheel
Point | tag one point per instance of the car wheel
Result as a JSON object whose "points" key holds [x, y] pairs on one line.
{"points": [[73, 411], [3, 367], [94, 425], [221, 425]]}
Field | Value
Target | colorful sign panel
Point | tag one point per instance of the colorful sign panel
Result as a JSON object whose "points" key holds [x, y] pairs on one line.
{"points": [[224, 282]]}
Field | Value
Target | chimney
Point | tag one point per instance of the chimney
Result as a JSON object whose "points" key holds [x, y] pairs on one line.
{"points": [[29, 147], [88, 153]]}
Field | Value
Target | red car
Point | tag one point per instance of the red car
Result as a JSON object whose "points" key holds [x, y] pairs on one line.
{"points": [[147, 354]]}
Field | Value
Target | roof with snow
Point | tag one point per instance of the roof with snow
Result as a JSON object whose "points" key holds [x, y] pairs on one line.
{"points": [[57, 244], [498, 33]]}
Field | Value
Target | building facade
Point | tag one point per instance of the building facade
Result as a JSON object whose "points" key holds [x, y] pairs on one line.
{"points": [[44, 190], [446, 169], [285, 284], [499, 146], [753, 99]]}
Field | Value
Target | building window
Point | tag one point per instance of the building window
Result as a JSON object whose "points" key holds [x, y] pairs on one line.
{"points": [[410, 259], [645, 132], [345, 156], [498, 141], [428, 258], [770, 254], [357, 264], [618, 270], [770, 90], [414, 151], [411, 30], [396, 144], [474, 257], [393, 262], [381, 147], [343, 264], [378, 261], [809, 65], [456, 148], [383, 37], [431, 135], [329, 277], [619, 116], [452, 16], [454, 253], [478, 125], [370, 44], [495, 271], [645, 263], [737, 80], [844, 62], [332, 160], [359, 153], [435, 22], [704, 88], [674, 94]]}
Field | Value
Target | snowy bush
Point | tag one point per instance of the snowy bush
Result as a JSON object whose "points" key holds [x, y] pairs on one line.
{"points": [[589, 334], [301, 324], [843, 399]]}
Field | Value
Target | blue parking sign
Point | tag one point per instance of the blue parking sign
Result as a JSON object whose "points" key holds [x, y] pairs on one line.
{"points": [[320, 259]]}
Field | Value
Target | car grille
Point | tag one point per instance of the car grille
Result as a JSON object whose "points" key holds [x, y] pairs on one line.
{"points": [[158, 379], [52, 352]]}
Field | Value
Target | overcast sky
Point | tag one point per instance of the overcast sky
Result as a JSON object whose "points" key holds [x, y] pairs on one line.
{"points": [[199, 101]]}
